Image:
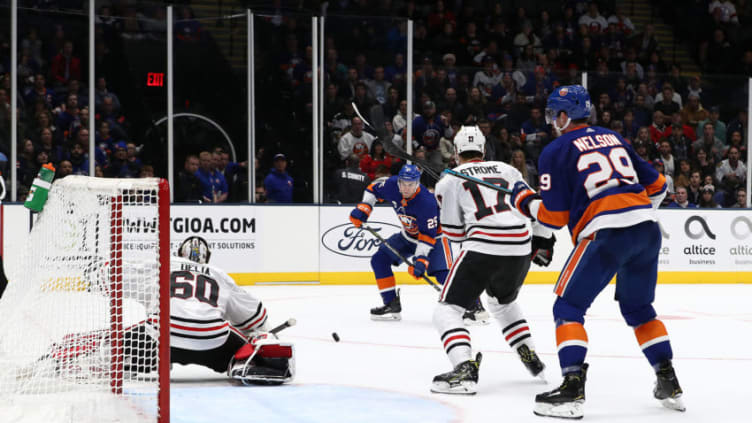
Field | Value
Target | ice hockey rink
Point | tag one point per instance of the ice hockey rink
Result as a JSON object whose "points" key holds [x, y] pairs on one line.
{"points": [[381, 371]]}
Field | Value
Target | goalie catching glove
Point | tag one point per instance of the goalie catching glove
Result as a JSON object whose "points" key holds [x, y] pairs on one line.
{"points": [[360, 214], [263, 361], [543, 250]]}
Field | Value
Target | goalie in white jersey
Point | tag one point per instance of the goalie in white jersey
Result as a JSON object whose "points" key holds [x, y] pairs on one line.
{"points": [[495, 256], [216, 324]]}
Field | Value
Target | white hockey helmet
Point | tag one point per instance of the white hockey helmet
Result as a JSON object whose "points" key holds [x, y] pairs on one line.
{"points": [[195, 248], [469, 138]]}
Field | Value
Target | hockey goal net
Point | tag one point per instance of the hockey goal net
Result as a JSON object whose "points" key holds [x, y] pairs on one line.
{"points": [[84, 328]]}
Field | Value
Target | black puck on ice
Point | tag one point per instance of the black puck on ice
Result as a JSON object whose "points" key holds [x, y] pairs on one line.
{"points": [[335, 336]]}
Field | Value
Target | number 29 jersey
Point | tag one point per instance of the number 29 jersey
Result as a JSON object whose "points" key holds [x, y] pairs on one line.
{"points": [[481, 218], [206, 304], [590, 179]]}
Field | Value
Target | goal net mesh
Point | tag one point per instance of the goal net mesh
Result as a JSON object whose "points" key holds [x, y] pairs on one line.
{"points": [[80, 324]]}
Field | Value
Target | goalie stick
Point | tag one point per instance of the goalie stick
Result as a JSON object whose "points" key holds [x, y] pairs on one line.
{"points": [[290, 322], [377, 115], [398, 254]]}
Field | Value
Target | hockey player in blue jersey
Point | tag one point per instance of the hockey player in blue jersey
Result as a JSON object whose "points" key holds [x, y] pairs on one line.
{"points": [[421, 237], [592, 181]]}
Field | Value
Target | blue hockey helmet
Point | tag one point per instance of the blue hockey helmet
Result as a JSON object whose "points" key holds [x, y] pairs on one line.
{"points": [[409, 173], [572, 99]]}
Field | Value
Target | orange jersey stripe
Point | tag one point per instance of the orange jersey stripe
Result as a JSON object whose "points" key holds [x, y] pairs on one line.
{"points": [[649, 331], [566, 274], [553, 218], [387, 282], [657, 185], [447, 252], [609, 203], [572, 331], [427, 239]]}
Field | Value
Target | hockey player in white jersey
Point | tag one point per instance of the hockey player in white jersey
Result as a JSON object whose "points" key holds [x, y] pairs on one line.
{"points": [[215, 323], [495, 256]]}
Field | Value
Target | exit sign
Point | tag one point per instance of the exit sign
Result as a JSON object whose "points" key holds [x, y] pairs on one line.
{"points": [[154, 79]]}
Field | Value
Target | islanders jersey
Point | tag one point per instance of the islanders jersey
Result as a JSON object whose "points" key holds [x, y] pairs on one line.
{"points": [[590, 178], [418, 214], [481, 218], [206, 304]]}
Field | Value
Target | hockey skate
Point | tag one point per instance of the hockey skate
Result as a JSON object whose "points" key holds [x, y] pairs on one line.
{"points": [[667, 389], [567, 400], [532, 362], [476, 315], [463, 380], [388, 312]]}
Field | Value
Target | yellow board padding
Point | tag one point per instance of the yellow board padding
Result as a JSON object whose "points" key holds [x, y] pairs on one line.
{"points": [[367, 278]]}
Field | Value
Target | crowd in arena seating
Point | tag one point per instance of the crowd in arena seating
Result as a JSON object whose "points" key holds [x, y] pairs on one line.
{"points": [[487, 63]]}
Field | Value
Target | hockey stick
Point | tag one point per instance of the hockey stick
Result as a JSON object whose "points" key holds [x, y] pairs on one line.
{"points": [[398, 254], [290, 322], [377, 115]]}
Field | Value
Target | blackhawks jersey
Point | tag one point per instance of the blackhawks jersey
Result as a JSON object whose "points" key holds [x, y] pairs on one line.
{"points": [[206, 304], [481, 218], [418, 214], [590, 178]]}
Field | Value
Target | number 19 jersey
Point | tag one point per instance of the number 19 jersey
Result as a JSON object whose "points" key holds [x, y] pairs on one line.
{"points": [[590, 179], [481, 218]]}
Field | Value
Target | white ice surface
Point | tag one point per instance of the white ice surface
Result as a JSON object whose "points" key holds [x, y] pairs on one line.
{"points": [[381, 371]]}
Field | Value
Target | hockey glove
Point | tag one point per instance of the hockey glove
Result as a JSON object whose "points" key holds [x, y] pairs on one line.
{"points": [[418, 269], [522, 195], [360, 214], [543, 250]]}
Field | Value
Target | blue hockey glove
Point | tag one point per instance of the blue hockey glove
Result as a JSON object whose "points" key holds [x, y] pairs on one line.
{"points": [[360, 214], [522, 194], [420, 264]]}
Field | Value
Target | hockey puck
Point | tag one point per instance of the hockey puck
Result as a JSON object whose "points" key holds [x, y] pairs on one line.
{"points": [[335, 336]]}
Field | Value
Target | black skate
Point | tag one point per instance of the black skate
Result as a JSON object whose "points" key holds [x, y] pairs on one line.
{"points": [[667, 389], [390, 311], [531, 361], [462, 380], [567, 401], [476, 315]]}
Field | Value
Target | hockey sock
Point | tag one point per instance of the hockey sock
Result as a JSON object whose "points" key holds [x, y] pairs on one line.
{"points": [[571, 341], [653, 339], [515, 329], [447, 319], [387, 289]]}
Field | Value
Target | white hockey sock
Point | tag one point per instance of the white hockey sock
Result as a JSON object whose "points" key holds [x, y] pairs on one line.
{"points": [[514, 327], [447, 319]]}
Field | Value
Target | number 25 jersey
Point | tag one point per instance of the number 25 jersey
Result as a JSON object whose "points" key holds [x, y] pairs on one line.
{"points": [[590, 178]]}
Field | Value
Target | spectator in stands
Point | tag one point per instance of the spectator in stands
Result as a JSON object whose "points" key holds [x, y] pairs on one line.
{"points": [[683, 173], [349, 182], [686, 130], [492, 147], [731, 173], [715, 55], [666, 158], [681, 146], [41, 92], [54, 152], [118, 123], [369, 162], [378, 87], [680, 200], [101, 91], [488, 77], [64, 168], [706, 198], [695, 187], [622, 22], [147, 171], [356, 141], [214, 187], [667, 101], [428, 129], [27, 163], [528, 171], [80, 160], [593, 20], [278, 184], [739, 123], [642, 114], [119, 167], [719, 128], [658, 129], [65, 66], [187, 28], [188, 187], [67, 113], [641, 149], [535, 133], [630, 127], [134, 163], [737, 141], [104, 139], [741, 199], [659, 167], [710, 143], [693, 113]]}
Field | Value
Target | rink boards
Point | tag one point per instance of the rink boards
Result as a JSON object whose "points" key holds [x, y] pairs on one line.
{"points": [[275, 244]]}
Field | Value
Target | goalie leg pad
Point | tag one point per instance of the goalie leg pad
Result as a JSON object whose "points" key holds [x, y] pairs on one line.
{"points": [[263, 362]]}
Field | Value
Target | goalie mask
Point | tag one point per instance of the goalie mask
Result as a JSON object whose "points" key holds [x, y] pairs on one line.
{"points": [[196, 249], [469, 138]]}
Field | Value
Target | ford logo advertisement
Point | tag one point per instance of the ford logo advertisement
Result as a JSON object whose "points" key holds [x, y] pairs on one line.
{"points": [[347, 240]]}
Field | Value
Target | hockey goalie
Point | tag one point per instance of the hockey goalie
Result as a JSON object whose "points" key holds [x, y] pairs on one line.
{"points": [[213, 323]]}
